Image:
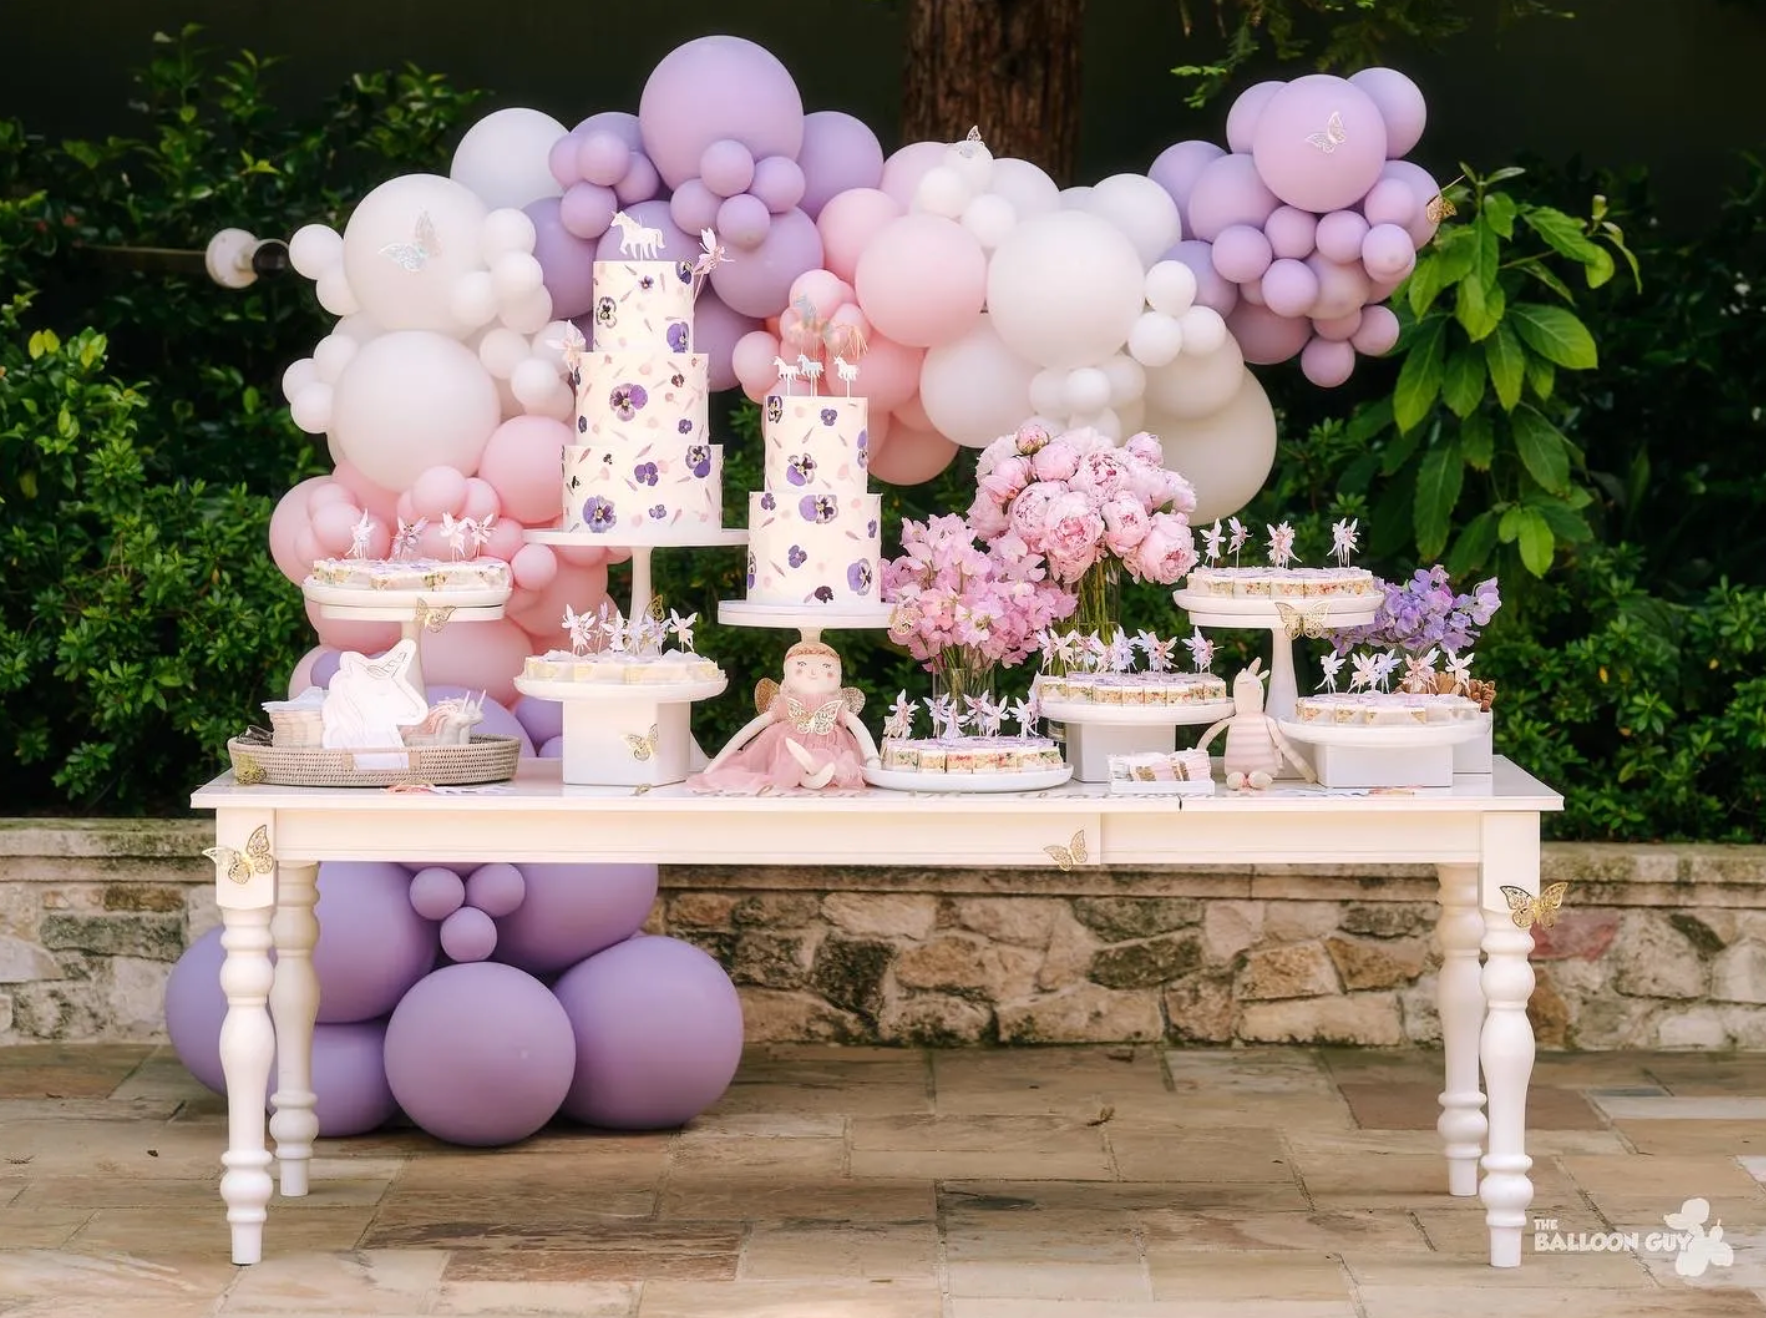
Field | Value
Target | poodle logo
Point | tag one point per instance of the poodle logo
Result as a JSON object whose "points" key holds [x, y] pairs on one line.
{"points": [[1696, 1246]]}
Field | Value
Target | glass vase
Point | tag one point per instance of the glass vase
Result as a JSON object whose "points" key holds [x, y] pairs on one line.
{"points": [[961, 674], [1099, 592]]}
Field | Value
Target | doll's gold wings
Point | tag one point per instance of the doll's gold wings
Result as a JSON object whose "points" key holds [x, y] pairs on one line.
{"points": [[765, 692]]}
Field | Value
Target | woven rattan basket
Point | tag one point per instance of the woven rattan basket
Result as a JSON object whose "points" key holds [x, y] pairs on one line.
{"points": [[484, 760]]}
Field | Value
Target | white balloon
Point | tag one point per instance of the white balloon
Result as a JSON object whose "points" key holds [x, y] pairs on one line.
{"points": [[298, 376], [528, 314], [532, 382], [501, 350], [973, 162], [473, 301], [1074, 198], [1155, 340], [1128, 380], [990, 219], [1088, 390], [559, 403], [314, 249], [357, 327], [507, 231], [1171, 287], [506, 157], [1204, 331], [331, 354], [1191, 386], [1048, 391], [943, 191], [516, 274], [411, 400], [1133, 415], [1141, 209], [406, 246], [1064, 289], [311, 409], [1226, 455], [1105, 422], [975, 389], [334, 292], [548, 344], [1030, 191]]}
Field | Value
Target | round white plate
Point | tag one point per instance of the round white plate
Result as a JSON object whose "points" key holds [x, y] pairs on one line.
{"points": [[1135, 716], [675, 537], [906, 780], [407, 601], [832, 617], [635, 693], [1261, 611], [1400, 736]]}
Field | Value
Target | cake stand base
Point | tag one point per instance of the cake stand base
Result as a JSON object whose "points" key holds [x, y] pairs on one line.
{"points": [[706, 537], [1477, 755], [1362, 766], [626, 735], [808, 619], [1090, 746]]}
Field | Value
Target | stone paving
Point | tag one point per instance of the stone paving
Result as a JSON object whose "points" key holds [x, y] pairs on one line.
{"points": [[875, 1183]]}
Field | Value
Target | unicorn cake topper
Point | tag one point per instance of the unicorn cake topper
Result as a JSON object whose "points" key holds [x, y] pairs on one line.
{"points": [[788, 373], [811, 370], [636, 241], [847, 371]]}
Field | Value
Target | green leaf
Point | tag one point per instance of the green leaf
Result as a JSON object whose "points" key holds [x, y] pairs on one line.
{"points": [[1438, 482], [1533, 533], [1462, 381], [1502, 175], [1541, 376], [1477, 441], [1499, 213], [1474, 545], [1479, 309], [1456, 250], [1563, 234], [1568, 525], [1600, 270], [1369, 420], [1507, 361], [1536, 270], [1544, 452], [1555, 334], [1424, 285], [1616, 236], [1419, 379]]}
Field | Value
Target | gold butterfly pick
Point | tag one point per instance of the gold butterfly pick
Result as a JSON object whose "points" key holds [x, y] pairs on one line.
{"points": [[1311, 622], [247, 772], [644, 747], [1066, 857], [242, 867], [1529, 910], [433, 617], [1439, 208]]}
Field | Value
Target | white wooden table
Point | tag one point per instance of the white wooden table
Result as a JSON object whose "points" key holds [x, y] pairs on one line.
{"points": [[1480, 834]]}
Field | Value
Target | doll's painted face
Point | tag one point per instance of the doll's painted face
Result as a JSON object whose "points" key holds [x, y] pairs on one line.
{"points": [[813, 675]]}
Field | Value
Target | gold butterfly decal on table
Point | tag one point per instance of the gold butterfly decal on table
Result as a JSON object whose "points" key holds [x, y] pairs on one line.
{"points": [[644, 747], [1312, 622], [247, 772], [1439, 208], [1529, 910], [1333, 136], [1074, 853], [433, 617], [411, 257], [244, 866]]}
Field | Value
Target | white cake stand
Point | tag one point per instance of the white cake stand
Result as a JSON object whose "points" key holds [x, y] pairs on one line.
{"points": [[641, 545], [416, 611], [1097, 732], [810, 620], [625, 734], [906, 780], [1389, 755], [1261, 613]]}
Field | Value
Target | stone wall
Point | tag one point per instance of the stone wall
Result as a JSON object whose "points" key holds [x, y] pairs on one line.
{"points": [[1657, 946]]}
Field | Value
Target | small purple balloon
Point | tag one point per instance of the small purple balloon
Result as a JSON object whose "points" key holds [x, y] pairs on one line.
{"points": [[1390, 201], [495, 889], [374, 946], [1292, 233], [1241, 253], [1212, 290], [839, 153], [586, 210], [641, 182], [778, 183], [743, 221], [1264, 337], [1401, 106], [718, 87], [1378, 332], [1341, 328], [480, 1054], [1177, 168], [1241, 120], [726, 167], [759, 284], [694, 206], [543, 719], [1327, 362], [1342, 288], [567, 263], [716, 332], [1340, 234], [1289, 288], [553, 749], [1424, 188], [1229, 191], [602, 158], [469, 935], [621, 123], [325, 668], [1387, 251], [436, 893], [561, 160], [658, 1032], [573, 911]]}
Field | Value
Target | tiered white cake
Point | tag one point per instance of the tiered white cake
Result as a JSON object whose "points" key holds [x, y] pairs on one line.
{"points": [[644, 464], [813, 531]]}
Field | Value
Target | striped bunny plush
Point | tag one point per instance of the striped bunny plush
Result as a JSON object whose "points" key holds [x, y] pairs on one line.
{"points": [[1255, 746]]}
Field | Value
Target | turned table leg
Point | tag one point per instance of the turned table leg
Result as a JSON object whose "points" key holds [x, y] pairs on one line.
{"points": [[248, 1042], [294, 1006], [1460, 1002]]}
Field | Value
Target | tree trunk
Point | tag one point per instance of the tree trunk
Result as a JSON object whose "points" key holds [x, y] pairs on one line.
{"points": [[1008, 67]]}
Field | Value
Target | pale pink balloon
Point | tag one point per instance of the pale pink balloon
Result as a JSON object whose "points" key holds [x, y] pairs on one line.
{"points": [[826, 291], [438, 490], [524, 461], [1339, 328], [1327, 362], [922, 281], [406, 511], [507, 538], [286, 523], [581, 555], [582, 588], [1289, 288], [362, 637], [888, 374], [1228, 191], [431, 543], [534, 567], [307, 551], [481, 499], [1401, 106], [1387, 252], [334, 526], [1319, 143], [1381, 289], [486, 656], [327, 491], [911, 414], [1340, 234], [1241, 253], [912, 457], [903, 171], [1264, 337], [302, 677], [1342, 287], [752, 361], [1251, 292], [1292, 233], [382, 503], [849, 222], [1377, 333]]}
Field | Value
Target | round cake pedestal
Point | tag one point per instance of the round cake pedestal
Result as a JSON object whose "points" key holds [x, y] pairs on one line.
{"points": [[1398, 755], [1096, 732], [1287, 620], [942, 784], [626, 734], [703, 537], [810, 621], [416, 612]]}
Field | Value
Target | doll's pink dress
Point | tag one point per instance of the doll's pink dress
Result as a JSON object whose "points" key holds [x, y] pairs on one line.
{"points": [[766, 762]]}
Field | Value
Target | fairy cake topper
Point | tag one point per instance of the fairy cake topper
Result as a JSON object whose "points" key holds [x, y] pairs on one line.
{"points": [[1459, 669], [1211, 544], [1344, 541], [582, 628], [985, 714], [360, 534], [1026, 713], [1331, 664], [1201, 651], [682, 629], [1281, 545], [571, 346], [899, 726], [1419, 671], [709, 259], [635, 240], [404, 542], [1240, 535]]}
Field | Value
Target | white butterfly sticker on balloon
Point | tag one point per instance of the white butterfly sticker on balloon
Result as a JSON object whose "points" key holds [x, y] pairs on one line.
{"points": [[1333, 136], [414, 255]]}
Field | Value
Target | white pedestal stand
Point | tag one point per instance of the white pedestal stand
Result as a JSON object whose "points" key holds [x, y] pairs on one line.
{"points": [[807, 619], [415, 611], [1096, 732], [1420, 755], [701, 537], [625, 734]]}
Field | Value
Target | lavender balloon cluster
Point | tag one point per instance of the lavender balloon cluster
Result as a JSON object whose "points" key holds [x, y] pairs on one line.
{"points": [[1301, 231], [1425, 613]]}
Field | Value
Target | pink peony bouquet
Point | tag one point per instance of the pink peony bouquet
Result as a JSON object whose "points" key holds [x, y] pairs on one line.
{"points": [[958, 605], [1080, 501]]}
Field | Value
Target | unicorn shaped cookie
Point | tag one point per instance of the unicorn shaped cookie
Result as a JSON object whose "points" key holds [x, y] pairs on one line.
{"points": [[1255, 746]]}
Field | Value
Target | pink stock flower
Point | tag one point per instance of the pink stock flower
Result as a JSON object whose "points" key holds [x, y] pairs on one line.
{"points": [[1057, 462]]}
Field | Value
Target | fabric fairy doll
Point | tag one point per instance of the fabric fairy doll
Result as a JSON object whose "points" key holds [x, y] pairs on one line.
{"points": [[806, 734]]}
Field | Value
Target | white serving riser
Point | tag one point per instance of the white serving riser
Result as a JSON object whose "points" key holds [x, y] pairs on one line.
{"points": [[1095, 733], [390, 603], [947, 784], [1073, 712], [1419, 755], [406, 613], [812, 622], [601, 718]]}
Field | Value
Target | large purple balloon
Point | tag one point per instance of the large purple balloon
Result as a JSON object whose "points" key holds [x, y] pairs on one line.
{"points": [[542, 719], [1228, 191], [567, 262], [1211, 290], [1319, 144], [1177, 169], [349, 1076], [1401, 106], [676, 245], [658, 1030], [759, 284], [1241, 120], [498, 721], [480, 1054], [716, 331], [621, 123], [372, 945], [573, 911], [714, 88], [839, 152]]}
